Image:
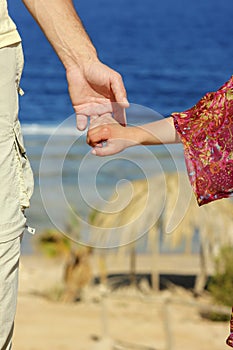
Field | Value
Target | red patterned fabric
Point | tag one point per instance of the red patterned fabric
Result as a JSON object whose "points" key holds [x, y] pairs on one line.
{"points": [[206, 131], [229, 340]]}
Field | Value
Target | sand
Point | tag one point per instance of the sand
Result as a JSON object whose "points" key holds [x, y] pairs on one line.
{"points": [[126, 318]]}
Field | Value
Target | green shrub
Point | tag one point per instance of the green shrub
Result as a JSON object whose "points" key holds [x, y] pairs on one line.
{"points": [[53, 244], [221, 284]]}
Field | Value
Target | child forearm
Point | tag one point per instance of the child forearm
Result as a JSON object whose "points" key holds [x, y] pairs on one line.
{"points": [[118, 138], [156, 133]]}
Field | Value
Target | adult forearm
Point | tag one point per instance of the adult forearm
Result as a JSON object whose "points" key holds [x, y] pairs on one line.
{"points": [[63, 28]]}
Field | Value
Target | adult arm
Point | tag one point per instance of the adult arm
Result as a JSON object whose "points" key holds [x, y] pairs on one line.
{"points": [[94, 88]]}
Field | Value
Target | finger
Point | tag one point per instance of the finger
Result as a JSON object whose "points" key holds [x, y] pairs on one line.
{"points": [[99, 145], [81, 121], [102, 152], [99, 107], [111, 147], [98, 135], [101, 120], [93, 124], [119, 114], [93, 119], [119, 91]]}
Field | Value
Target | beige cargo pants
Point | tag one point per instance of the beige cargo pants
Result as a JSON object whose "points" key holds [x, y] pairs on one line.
{"points": [[16, 186]]}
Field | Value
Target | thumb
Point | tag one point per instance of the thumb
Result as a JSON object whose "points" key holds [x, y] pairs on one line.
{"points": [[103, 151], [111, 147]]}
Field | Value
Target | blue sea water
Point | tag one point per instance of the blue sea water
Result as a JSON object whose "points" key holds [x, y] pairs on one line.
{"points": [[170, 53]]}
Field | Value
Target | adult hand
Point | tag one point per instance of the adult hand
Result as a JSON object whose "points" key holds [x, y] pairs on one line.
{"points": [[95, 90]]}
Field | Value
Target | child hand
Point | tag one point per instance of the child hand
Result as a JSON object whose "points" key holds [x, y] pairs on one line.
{"points": [[106, 136]]}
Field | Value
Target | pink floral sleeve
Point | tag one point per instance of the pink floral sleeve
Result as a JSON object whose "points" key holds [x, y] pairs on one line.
{"points": [[229, 340], [206, 131]]}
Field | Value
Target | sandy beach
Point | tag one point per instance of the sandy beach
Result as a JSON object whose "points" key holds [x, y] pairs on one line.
{"points": [[126, 318]]}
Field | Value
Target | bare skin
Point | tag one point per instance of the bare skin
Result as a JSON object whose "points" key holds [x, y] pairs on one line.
{"points": [[94, 88], [116, 138]]}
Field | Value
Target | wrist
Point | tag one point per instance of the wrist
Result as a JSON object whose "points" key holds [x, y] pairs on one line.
{"points": [[81, 60], [138, 135], [132, 136]]}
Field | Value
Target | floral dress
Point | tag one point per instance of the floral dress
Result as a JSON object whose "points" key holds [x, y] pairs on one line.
{"points": [[206, 131], [229, 340]]}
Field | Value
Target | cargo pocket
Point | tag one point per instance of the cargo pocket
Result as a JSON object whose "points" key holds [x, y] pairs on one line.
{"points": [[24, 171], [19, 67]]}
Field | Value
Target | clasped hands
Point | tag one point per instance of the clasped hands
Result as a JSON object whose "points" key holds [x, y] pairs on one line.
{"points": [[98, 92], [107, 136]]}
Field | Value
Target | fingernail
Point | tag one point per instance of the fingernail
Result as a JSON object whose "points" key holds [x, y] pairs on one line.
{"points": [[81, 126], [125, 100], [93, 152]]}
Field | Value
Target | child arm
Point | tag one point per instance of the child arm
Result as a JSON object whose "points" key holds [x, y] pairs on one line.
{"points": [[118, 138]]}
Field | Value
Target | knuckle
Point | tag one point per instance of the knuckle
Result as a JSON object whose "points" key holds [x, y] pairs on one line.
{"points": [[119, 77]]}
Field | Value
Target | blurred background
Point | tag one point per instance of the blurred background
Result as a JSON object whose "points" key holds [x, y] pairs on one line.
{"points": [[170, 53]]}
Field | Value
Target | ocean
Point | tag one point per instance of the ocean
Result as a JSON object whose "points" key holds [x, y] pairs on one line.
{"points": [[170, 53]]}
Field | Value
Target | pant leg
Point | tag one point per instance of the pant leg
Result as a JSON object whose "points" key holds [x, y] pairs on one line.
{"points": [[16, 185], [16, 179], [9, 264]]}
